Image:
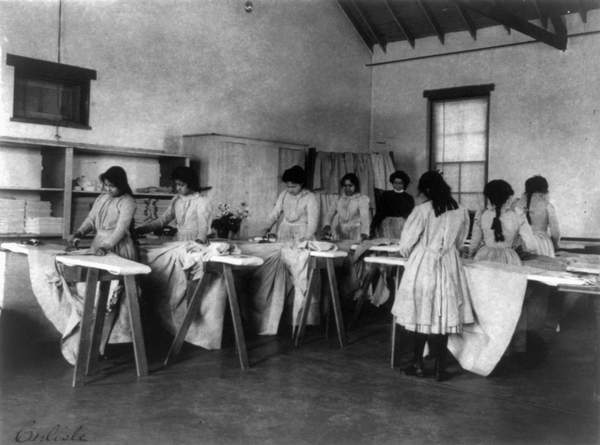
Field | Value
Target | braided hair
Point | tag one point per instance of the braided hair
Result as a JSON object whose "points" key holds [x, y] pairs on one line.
{"points": [[535, 184], [433, 186], [498, 192]]}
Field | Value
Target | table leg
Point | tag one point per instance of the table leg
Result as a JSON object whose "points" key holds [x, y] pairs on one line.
{"points": [[98, 326], [393, 352], [238, 329], [135, 320], [335, 300], [312, 265], [595, 301], [192, 310], [85, 328], [397, 278], [326, 304]]}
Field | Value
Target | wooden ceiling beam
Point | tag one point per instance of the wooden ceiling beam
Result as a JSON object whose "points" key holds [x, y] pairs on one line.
{"points": [[464, 14], [432, 20], [495, 12], [583, 9], [543, 17], [400, 24], [368, 25], [556, 19], [357, 26], [559, 25]]}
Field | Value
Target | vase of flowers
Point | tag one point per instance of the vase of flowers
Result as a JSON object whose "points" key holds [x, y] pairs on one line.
{"points": [[228, 219]]}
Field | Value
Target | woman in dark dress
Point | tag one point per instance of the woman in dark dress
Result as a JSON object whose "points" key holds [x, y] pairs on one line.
{"points": [[393, 208]]}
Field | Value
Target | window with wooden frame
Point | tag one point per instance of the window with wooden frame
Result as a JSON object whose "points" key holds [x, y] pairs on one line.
{"points": [[458, 140], [50, 93]]}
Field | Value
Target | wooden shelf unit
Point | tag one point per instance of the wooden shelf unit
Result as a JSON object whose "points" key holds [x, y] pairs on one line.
{"points": [[60, 163]]}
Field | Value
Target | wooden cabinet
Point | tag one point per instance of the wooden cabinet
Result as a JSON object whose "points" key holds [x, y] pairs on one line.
{"points": [[34, 170], [243, 170]]}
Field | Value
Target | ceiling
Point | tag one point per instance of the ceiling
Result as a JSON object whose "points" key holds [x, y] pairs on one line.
{"points": [[380, 22]]}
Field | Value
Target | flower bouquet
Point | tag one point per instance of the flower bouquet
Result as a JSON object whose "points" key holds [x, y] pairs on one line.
{"points": [[229, 219]]}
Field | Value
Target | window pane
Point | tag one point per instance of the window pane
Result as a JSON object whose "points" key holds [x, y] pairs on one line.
{"points": [[459, 130], [463, 147], [472, 177], [450, 172], [69, 108], [465, 116], [49, 101], [472, 201]]}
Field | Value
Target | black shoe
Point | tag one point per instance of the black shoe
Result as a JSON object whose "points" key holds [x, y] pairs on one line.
{"points": [[416, 369]]}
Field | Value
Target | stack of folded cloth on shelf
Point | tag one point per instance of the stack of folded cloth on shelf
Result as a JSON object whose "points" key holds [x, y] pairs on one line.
{"points": [[12, 215], [36, 209], [46, 225], [39, 221]]}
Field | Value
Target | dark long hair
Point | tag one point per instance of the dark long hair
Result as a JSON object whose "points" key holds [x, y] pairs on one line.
{"points": [[535, 184], [117, 177], [188, 176], [433, 186], [295, 174], [498, 192]]}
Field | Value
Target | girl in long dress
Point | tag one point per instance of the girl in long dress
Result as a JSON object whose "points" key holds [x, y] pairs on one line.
{"points": [[494, 237], [495, 230], [393, 208], [111, 217], [541, 215], [297, 207], [297, 211], [191, 211], [352, 210], [433, 299]]}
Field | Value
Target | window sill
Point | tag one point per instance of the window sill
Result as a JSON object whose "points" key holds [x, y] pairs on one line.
{"points": [[29, 120]]}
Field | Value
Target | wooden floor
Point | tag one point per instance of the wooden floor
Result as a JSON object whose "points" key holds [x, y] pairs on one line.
{"points": [[317, 394]]}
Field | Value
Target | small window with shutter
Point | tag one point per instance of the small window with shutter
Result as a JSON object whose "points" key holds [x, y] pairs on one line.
{"points": [[50, 93]]}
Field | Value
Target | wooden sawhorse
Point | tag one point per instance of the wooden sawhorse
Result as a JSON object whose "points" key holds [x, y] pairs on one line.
{"points": [[105, 269], [315, 263], [224, 265]]}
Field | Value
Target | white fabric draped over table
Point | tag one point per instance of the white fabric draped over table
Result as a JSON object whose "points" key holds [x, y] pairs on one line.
{"points": [[497, 295], [265, 289], [173, 264], [62, 301]]}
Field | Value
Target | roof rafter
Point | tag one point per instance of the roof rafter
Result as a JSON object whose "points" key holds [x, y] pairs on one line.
{"points": [[583, 9], [541, 14], [559, 25], [556, 18], [432, 20], [499, 14], [400, 24], [370, 43], [368, 25], [464, 14]]}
